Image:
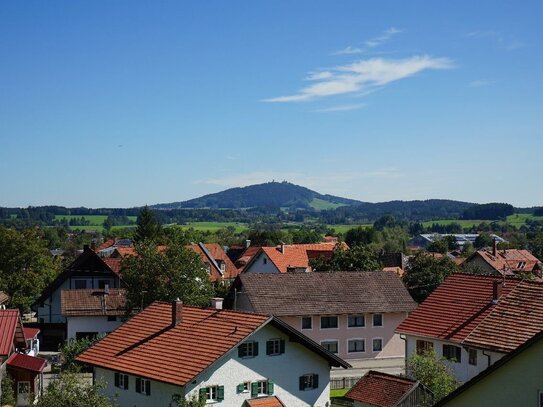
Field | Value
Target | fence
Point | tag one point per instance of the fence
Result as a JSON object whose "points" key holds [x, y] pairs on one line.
{"points": [[343, 383]]}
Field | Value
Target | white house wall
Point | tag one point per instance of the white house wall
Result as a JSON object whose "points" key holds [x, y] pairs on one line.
{"points": [[98, 324], [262, 264]]}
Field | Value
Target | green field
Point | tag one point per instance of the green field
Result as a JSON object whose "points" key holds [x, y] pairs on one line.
{"points": [[95, 220], [344, 228], [320, 204], [517, 220], [214, 226]]}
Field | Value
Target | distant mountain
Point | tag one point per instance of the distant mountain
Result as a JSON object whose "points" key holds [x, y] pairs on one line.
{"points": [[270, 194]]}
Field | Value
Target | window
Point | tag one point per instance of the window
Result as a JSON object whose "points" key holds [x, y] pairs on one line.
{"points": [[262, 387], [377, 319], [121, 380], [265, 260], [80, 284], [330, 346], [143, 386], [244, 387], [472, 359], [356, 345], [275, 347], [424, 346], [102, 284], [111, 318], [309, 381], [248, 350], [307, 323], [521, 265], [377, 344], [212, 393], [452, 353], [356, 321], [328, 322]]}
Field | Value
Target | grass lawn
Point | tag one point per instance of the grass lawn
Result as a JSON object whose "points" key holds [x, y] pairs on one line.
{"points": [[321, 204], [214, 226], [95, 220], [517, 220], [345, 228], [338, 392]]}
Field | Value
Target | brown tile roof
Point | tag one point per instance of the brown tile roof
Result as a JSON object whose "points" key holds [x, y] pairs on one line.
{"points": [[113, 263], [93, 302], [215, 254], [461, 305], [271, 401], [516, 318], [247, 255], [514, 260], [144, 344], [3, 297], [380, 389], [105, 245], [11, 331], [325, 293]]}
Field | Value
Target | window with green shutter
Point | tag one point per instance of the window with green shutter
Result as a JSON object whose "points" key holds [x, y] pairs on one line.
{"points": [[270, 387], [143, 386], [254, 389], [220, 393], [309, 381], [202, 393], [248, 349], [275, 347]]}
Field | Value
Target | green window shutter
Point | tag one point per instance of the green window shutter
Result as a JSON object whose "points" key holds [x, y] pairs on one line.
{"points": [[268, 347], [282, 346], [220, 393], [270, 387], [116, 379], [126, 382], [302, 383], [315, 381], [202, 393], [138, 385], [241, 387], [255, 347], [148, 387], [254, 389]]}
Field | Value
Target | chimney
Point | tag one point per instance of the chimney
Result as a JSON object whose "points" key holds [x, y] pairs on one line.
{"points": [[177, 312], [496, 291], [495, 247], [216, 303], [247, 243], [283, 247]]}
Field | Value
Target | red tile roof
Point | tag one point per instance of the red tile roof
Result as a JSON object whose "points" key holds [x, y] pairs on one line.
{"points": [[290, 257], [380, 389], [11, 331], [144, 345], [105, 245], [31, 333], [264, 402], [512, 260], [26, 362], [215, 254], [456, 307], [3, 297], [93, 302], [113, 263]]}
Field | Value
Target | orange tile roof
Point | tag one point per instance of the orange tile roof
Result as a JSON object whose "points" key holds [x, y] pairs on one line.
{"points": [[264, 402], [113, 263], [216, 252], [90, 301], [144, 344], [514, 260], [105, 245], [11, 331], [380, 389], [292, 256]]}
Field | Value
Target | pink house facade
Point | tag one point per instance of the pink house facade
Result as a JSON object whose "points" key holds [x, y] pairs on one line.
{"points": [[352, 314]]}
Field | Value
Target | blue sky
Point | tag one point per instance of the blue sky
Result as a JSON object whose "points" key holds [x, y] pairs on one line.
{"points": [[125, 103]]}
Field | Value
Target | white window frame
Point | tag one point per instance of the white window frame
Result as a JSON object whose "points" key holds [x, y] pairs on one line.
{"points": [[276, 344], [249, 345], [302, 323], [357, 339], [356, 326], [382, 344], [263, 385], [330, 341], [328, 316], [246, 387], [212, 393], [382, 320], [122, 379]]}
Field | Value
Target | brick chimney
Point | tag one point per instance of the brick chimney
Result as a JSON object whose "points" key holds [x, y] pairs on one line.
{"points": [[283, 247], [177, 312], [496, 291], [495, 247]]}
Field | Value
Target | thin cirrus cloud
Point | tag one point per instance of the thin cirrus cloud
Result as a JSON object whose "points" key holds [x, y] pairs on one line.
{"points": [[342, 108], [362, 76], [502, 40], [369, 44]]}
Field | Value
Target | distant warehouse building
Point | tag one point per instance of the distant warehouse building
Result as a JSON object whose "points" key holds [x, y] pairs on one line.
{"points": [[424, 240]]}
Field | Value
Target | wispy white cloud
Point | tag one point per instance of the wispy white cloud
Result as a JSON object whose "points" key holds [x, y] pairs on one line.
{"points": [[479, 83], [364, 75], [342, 108], [318, 76], [502, 40], [369, 44]]}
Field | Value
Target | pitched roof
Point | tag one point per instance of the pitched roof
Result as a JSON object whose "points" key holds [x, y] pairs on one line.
{"points": [[271, 401], [510, 260], [143, 345], [11, 331], [3, 297], [31, 333], [93, 302], [289, 257], [381, 389], [325, 293], [516, 318], [26, 362], [213, 254], [456, 307]]}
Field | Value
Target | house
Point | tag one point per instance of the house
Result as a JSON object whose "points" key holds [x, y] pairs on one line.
{"points": [[25, 370], [424, 240], [514, 380], [91, 312], [218, 265], [378, 389], [352, 314], [223, 356], [474, 320], [290, 258], [87, 271], [505, 262], [3, 298], [32, 341]]}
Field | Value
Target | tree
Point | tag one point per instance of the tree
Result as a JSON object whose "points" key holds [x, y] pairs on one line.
{"points": [[26, 266], [153, 275], [361, 236], [71, 390], [432, 373], [358, 258], [425, 273], [483, 240], [148, 227], [8, 391], [179, 401], [73, 348]]}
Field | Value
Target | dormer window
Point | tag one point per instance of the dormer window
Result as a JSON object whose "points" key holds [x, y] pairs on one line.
{"points": [[521, 265]]}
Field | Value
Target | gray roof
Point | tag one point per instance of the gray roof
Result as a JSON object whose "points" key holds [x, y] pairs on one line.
{"points": [[326, 293]]}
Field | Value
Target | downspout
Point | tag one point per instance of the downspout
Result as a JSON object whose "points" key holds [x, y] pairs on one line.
{"points": [[404, 339]]}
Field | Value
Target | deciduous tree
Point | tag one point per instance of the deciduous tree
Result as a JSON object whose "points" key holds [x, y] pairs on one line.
{"points": [[432, 373]]}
